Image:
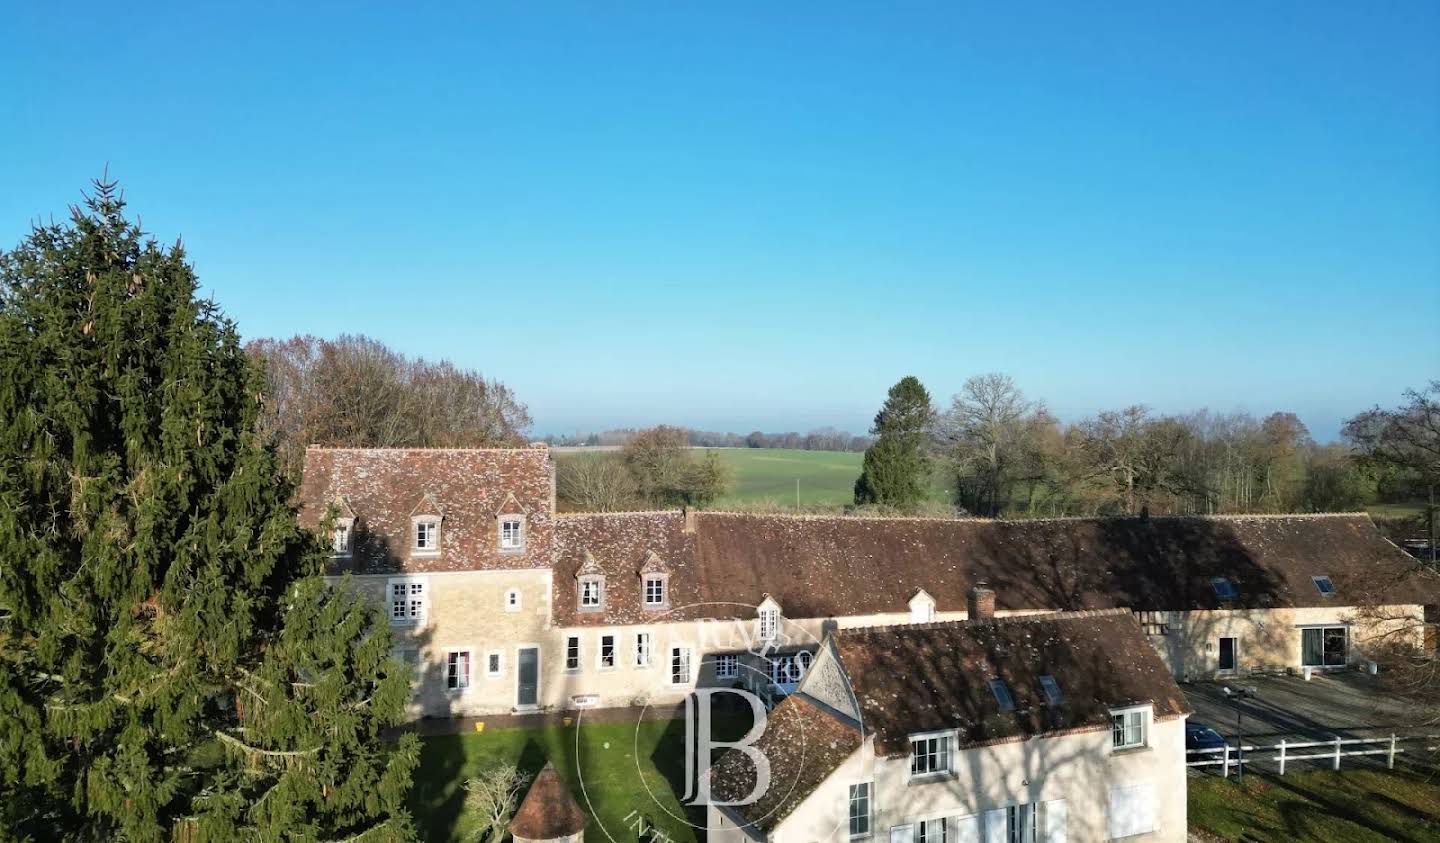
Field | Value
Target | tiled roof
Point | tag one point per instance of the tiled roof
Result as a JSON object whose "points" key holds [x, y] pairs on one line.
{"points": [[467, 488], [936, 676], [836, 566], [549, 811], [803, 744]]}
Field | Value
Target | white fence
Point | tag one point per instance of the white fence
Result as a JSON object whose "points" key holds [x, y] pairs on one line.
{"points": [[1283, 753]]}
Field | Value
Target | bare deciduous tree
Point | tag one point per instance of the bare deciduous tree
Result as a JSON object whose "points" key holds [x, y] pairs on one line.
{"points": [[595, 483], [354, 391], [491, 796]]}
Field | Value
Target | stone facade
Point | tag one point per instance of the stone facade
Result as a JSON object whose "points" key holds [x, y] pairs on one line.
{"points": [[488, 612]]}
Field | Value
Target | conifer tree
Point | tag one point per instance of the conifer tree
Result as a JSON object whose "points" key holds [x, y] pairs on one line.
{"points": [[172, 666], [894, 471]]}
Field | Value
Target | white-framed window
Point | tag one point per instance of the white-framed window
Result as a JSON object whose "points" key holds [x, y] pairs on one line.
{"points": [[592, 593], [606, 656], [643, 651], [425, 534], [679, 665], [727, 666], [789, 668], [341, 536], [512, 599], [930, 754], [1324, 585], [1002, 695], [654, 590], [1022, 823], [768, 623], [572, 653], [1128, 726], [494, 663], [409, 599], [457, 670], [1155, 623], [860, 809], [512, 533], [1324, 646], [1131, 810], [930, 831]]}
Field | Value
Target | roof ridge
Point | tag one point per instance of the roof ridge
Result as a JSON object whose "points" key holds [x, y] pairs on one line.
{"points": [[839, 516], [621, 513], [1032, 617], [388, 450]]}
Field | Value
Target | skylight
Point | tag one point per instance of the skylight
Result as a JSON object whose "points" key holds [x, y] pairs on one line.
{"points": [[1051, 689], [1325, 586], [1224, 589], [1002, 694]]}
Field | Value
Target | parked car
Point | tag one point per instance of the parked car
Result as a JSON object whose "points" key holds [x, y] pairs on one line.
{"points": [[1199, 736]]}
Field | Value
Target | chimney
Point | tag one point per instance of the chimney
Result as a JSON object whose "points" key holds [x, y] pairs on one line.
{"points": [[981, 603], [689, 515]]}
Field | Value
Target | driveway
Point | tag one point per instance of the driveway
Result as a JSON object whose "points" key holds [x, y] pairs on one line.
{"points": [[1349, 704]]}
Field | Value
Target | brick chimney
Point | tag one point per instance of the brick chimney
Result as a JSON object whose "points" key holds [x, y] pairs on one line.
{"points": [[981, 603], [689, 515]]}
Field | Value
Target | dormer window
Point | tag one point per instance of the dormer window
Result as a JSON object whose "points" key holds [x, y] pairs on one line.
{"points": [[930, 754], [655, 596], [512, 533], [340, 536], [768, 623], [426, 535], [1128, 727], [592, 593], [922, 607], [1324, 585], [1224, 589]]}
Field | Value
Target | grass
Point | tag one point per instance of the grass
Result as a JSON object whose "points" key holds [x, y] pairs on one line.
{"points": [[625, 767], [768, 475], [1351, 805]]}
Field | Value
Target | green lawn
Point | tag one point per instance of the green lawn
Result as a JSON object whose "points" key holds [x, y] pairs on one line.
{"points": [[625, 767], [1351, 805], [768, 475]]}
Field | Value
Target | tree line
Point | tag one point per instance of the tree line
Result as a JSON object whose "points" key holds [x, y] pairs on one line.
{"points": [[819, 439], [1007, 455]]}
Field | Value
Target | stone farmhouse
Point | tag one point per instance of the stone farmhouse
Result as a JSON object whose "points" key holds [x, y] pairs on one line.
{"points": [[1030, 728], [502, 604]]}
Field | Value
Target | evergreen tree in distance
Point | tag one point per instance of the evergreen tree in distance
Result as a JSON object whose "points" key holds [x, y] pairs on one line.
{"points": [[172, 666], [894, 471]]}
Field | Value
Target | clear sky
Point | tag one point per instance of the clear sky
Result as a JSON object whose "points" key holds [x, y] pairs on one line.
{"points": [[738, 215]]}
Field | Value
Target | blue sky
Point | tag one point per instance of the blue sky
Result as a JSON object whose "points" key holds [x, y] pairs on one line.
{"points": [[748, 215]]}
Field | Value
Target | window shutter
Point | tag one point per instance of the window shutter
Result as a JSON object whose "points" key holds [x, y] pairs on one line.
{"points": [[1054, 815], [995, 826], [967, 829], [1132, 809]]}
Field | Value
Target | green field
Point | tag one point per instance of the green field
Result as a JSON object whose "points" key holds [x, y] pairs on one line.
{"points": [[1321, 806], [769, 475]]}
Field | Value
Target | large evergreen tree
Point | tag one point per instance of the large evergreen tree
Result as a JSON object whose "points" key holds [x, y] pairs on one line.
{"points": [[895, 472], [171, 664]]}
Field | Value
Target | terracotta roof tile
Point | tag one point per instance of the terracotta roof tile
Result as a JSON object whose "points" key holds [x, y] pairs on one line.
{"points": [[549, 811]]}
